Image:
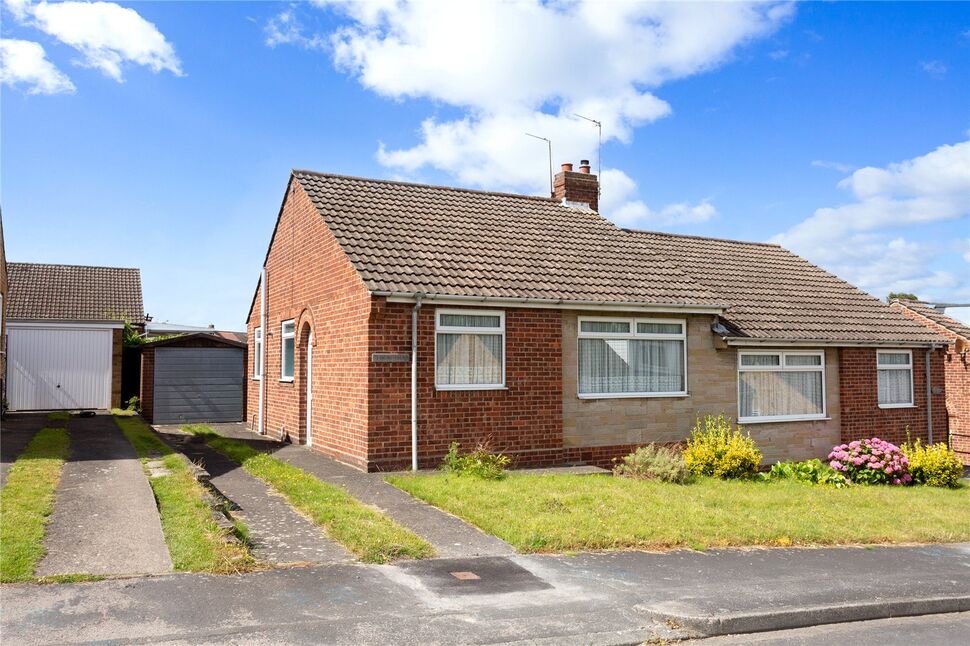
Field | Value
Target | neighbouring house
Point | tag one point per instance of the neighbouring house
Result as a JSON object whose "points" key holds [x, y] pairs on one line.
{"points": [[65, 334], [154, 329], [194, 377], [3, 321], [957, 369], [392, 319]]}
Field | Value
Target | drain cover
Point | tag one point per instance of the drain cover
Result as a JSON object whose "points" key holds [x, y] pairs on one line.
{"points": [[465, 576], [484, 575]]}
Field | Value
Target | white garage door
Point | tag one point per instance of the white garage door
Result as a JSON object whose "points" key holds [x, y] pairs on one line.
{"points": [[52, 368]]}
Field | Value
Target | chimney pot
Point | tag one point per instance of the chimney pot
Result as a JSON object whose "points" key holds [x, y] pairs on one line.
{"points": [[577, 188], [567, 168], [584, 166]]}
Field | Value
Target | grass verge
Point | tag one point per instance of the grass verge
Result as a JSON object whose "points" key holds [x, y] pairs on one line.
{"points": [[552, 513], [366, 532], [195, 542], [27, 501], [58, 416]]}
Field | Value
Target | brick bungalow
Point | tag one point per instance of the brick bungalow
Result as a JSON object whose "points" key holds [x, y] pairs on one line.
{"points": [[556, 336], [956, 371]]}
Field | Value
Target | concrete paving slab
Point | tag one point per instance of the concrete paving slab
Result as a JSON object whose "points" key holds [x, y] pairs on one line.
{"points": [[279, 533], [450, 536], [16, 432], [105, 519]]}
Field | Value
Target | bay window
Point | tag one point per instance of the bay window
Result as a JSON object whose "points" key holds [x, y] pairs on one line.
{"points": [[778, 386], [632, 357], [287, 346], [469, 349], [894, 373]]}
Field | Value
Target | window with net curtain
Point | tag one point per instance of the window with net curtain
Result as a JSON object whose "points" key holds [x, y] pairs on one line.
{"points": [[894, 374], [632, 357], [781, 385], [469, 350]]}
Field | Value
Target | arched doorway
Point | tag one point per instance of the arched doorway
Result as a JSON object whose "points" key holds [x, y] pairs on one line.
{"points": [[306, 390]]}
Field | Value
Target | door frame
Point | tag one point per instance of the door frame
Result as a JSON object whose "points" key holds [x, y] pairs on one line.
{"points": [[309, 390]]}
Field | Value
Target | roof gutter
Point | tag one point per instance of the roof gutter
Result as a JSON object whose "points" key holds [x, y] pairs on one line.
{"points": [[549, 303], [814, 343]]}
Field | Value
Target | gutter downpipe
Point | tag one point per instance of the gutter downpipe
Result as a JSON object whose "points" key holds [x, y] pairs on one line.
{"points": [[262, 354], [414, 382], [929, 396]]}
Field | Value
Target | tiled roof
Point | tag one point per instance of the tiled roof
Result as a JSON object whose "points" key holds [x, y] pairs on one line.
{"points": [[935, 315], [774, 294], [408, 238], [73, 292]]}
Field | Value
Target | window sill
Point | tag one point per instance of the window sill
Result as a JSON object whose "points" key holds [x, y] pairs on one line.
{"points": [[451, 389], [891, 406], [777, 420], [286, 381], [631, 395]]}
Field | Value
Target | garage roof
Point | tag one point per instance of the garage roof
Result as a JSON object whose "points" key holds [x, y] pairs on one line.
{"points": [[39, 291]]}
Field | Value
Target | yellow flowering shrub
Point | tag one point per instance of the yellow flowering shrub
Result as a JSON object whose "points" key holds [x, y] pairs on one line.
{"points": [[933, 464], [718, 449]]}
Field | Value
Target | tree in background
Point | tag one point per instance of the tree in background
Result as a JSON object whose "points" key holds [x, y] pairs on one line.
{"points": [[902, 295]]}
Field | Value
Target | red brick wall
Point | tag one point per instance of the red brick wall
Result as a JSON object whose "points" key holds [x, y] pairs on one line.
{"points": [[577, 187], [311, 281], [861, 415], [146, 389], [524, 420], [957, 373]]}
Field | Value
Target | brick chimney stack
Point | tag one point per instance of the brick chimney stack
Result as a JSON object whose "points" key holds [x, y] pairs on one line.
{"points": [[577, 186]]}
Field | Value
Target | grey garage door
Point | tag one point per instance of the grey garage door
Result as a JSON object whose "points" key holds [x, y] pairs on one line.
{"points": [[198, 385]]}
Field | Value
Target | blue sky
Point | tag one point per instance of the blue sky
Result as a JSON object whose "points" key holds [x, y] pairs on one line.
{"points": [[160, 134]]}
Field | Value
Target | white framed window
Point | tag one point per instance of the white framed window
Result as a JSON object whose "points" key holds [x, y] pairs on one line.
{"points": [[632, 357], [258, 353], [781, 386], [469, 349], [894, 374], [287, 348]]}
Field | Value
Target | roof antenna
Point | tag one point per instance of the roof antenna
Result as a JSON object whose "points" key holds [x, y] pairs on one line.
{"points": [[599, 149], [549, 143]]}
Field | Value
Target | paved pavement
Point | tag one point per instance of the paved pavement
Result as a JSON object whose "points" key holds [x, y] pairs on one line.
{"points": [[105, 520], [450, 536], [932, 630], [279, 534], [16, 432], [605, 598]]}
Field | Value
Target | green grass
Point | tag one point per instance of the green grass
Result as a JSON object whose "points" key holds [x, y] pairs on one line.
{"points": [[363, 530], [195, 542], [553, 513], [27, 501], [58, 416]]}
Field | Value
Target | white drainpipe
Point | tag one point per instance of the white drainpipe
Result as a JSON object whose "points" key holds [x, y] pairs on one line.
{"points": [[262, 354], [929, 396], [414, 382]]}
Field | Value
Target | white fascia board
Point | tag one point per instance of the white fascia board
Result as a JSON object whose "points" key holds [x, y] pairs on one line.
{"points": [[745, 342], [537, 303], [94, 325]]}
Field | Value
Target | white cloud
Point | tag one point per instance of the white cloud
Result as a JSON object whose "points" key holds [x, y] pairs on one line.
{"points": [[862, 240], [106, 34], [936, 69], [621, 205], [25, 62], [516, 67], [833, 165], [286, 29]]}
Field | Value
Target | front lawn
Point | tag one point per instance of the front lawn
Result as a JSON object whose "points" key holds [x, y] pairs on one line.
{"points": [[552, 513]]}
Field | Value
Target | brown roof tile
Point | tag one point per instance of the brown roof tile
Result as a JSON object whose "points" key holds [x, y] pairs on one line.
{"points": [[408, 238], [935, 315], [73, 292], [774, 294]]}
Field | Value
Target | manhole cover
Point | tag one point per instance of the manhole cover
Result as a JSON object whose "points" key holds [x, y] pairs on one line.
{"points": [[486, 575], [466, 576]]}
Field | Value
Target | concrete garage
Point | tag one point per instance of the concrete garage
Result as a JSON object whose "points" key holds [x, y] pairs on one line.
{"points": [[193, 378]]}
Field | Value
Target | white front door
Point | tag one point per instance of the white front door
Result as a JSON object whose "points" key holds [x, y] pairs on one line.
{"points": [[309, 391], [58, 368]]}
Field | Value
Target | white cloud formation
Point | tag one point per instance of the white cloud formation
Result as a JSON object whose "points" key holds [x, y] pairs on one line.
{"points": [[833, 165], [529, 66], [936, 69], [23, 62], [621, 205], [286, 29], [861, 240], [106, 35]]}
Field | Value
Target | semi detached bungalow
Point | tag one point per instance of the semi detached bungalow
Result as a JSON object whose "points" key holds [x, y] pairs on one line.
{"points": [[392, 319]]}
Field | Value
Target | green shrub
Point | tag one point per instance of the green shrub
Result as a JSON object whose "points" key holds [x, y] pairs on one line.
{"points": [[481, 463], [133, 404], [717, 449], [812, 471], [934, 464], [654, 463]]}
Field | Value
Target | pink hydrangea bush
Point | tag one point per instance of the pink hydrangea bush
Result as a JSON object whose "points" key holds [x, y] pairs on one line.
{"points": [[871, 461]]}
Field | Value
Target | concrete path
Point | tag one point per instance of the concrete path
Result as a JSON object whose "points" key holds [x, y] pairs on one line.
{"points": [[105, 520], [279, 534], [607, 598], [451, 536], [16, 432]]}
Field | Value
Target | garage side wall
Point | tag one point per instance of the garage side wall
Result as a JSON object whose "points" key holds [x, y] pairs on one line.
{"points": [[311, 281], [117, 348], [146, 392]]}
